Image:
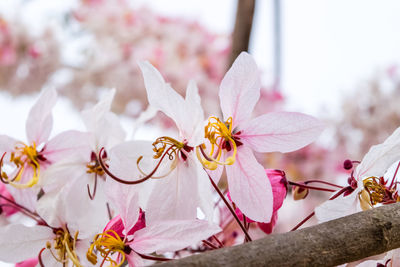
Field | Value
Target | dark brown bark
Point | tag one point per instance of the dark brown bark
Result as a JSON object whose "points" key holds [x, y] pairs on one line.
{"points": [[242, 30], [332, 243]]}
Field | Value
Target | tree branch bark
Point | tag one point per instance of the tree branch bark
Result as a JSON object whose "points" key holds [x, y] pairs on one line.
{"points": [[242, 30], [332, 243]]}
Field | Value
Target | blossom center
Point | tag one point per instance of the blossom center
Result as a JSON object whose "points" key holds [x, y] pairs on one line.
{"points": [[222, 139], [377, 192], [94, 165], [65, 246], [107, 244], [24, 156]]}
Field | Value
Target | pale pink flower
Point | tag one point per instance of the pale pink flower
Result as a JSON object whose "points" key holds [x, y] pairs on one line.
{"points": [[29, 159], [128, 235], [61, 236], [184, 185], [367, 177], [234, 139]]}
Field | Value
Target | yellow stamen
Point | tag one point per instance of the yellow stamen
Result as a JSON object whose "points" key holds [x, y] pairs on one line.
{"points": [[107, 243], [65, 247], [219, 133], [23, 156]]}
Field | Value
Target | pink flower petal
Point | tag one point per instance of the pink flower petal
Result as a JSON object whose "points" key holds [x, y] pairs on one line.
{"points": [[19, 242], [268, 227], [40, 121], [279, 186], [249, 186], [240, 89], [169, 236], [280, 132], [28, 263]]}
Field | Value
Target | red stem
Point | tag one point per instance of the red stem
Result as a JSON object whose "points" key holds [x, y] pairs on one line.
{"points": [[311, 187]]}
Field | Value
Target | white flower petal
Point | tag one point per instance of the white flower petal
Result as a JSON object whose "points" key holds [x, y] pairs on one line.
{"points": [[380, 157], [240, 89], [40, 121], [169, 236], [280, 132], [338, 207], [19, 242], [250, 187]]}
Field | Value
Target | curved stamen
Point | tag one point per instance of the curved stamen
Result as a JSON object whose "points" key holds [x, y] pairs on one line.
{"points": [[221, 137], [107, 243], [91, 196], [111, 175], [40, 257]]}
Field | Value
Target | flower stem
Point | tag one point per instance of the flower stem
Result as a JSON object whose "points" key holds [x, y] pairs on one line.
{"points": [[313, 213], [311, 187], [230, 208]]}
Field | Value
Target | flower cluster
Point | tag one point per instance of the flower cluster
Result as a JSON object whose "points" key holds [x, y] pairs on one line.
{"points": [[93, 198]]}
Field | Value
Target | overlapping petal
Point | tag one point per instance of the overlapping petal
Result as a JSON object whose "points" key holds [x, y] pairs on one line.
{"points": [[40, 121], [280, 131], [19, 242], [172, 235]]}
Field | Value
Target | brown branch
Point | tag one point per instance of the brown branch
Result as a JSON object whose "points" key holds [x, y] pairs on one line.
{"points": [[332, 243], [242, 30]]}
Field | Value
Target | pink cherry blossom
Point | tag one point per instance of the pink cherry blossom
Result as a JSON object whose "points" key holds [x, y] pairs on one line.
{"points": [[29, 159], [234, 140]]}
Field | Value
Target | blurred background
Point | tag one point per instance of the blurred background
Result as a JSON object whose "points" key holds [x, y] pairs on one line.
{"points": [[334, 59]]}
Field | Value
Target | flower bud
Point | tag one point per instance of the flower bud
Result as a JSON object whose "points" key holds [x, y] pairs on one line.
{"points": [[347, 164], [299, 192]]}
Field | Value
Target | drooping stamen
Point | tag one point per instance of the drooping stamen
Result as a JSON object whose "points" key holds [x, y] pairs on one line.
{"points": [[221, 138], [153, 258], [22, 209], [40, 257], [120, 180], [91, 196], [107, 243], [23, 156]]}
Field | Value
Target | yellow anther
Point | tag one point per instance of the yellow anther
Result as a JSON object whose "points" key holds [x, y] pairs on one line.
{"points": [[22, 157], [107, 244], [230, 160], [211, 165], [220, 134]]}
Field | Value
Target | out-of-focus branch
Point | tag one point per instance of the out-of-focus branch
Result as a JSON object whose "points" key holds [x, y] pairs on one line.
{"points": [[241, 32], [332, 243]]}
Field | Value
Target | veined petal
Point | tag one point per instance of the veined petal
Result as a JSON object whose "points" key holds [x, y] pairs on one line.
{"points": [[134, 260], [280, 131], [174, 197], [104, 124], [67, 144], [187, 113], [380, 157], [40, 121], [205, 192], [160, 94], [126, 200], [19, 242], [169, 236], [250, 187], [338, 207], [7, 144], [240, 89], [192, 126]]}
